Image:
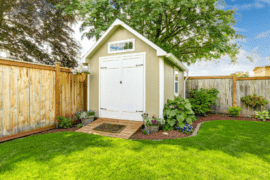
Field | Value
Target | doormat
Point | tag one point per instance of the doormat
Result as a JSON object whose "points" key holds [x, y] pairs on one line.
{"points": [[112, 128]]}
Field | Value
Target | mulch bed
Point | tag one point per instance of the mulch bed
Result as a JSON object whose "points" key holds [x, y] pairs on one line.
{"points": [[176, 134], [171, 134]]}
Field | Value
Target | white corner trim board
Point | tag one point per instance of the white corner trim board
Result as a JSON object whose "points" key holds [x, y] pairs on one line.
{"points": [[88, 90], [161, 87]]}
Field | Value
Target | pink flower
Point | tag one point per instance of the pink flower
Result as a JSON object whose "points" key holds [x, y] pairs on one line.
{"points": [[155, 121]]}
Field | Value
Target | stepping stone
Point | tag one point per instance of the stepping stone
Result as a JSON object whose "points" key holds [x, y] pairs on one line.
{"points": [[165, 133]]}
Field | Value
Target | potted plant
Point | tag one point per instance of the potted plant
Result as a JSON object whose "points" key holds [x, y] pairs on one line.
{"points": [[152, 124], [86, 117], [81, 71]]}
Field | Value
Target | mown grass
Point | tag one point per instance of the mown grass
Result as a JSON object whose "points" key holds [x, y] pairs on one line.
{"points": [[224, 149]]}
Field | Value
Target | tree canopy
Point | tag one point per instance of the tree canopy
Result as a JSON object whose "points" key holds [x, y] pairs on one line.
{"points": [[34, 30], [190, 29]]}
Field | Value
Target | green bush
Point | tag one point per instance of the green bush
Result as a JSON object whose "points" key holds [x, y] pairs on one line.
{"points": [[254, 100], [177, 111], [202, 99], [79, 125], [234, 111], [263, 115], [269, 111], [63, 122]]}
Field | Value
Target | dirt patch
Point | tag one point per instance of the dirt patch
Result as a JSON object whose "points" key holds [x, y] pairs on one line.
{"points": [[176, 134]]}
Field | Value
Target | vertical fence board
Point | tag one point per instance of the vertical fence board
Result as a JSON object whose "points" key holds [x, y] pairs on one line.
{"points": [[53, 97], [1, 101], [6, 100], [47, 99], [32, 104], [27, 97], [261, 87]]}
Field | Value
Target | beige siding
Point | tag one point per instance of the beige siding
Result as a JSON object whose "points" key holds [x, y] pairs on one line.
{"points": [[152, 70], [169, 81]]}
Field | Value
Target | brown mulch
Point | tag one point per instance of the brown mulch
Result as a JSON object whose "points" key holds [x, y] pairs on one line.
{"points": [[159, 135], [176, 134]]}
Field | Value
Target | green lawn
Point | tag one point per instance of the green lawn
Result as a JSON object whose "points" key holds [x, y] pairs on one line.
{"points": [[224, 149]]}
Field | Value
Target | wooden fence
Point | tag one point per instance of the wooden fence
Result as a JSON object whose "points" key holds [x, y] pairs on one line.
{"points": [[231, 90], [32, 95]]}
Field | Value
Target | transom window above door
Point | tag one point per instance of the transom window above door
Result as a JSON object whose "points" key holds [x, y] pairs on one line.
{"points": [[121, 46]]}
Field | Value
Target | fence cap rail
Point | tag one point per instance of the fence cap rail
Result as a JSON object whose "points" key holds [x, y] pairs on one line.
{"points": [[228, 77]]}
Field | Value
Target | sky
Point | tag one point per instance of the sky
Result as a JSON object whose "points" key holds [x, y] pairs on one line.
{"points": [[253, 21]]}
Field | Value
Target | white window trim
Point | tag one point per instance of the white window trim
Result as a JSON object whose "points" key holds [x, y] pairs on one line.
{"points": [[121, 51], [175, 69]]}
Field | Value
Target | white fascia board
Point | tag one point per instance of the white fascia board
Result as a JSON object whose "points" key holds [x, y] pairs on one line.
{"points": [[160, 52], [176, 61]]}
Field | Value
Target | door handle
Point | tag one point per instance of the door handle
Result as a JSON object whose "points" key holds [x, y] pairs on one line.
{"points": [[120, 82], [139, 111]]}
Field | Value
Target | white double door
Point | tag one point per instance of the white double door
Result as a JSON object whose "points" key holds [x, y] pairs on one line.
{"points": [[122, 87]]}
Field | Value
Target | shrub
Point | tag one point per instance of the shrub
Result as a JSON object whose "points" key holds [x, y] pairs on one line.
{"points": [[79, 125], [145, 132], [254, 100], [63, 122], [234, 111], [177, 111], [269, 111], [263, 115], [202, 99]]}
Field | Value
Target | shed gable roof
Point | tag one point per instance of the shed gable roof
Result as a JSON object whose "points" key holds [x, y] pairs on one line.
{"points": [[114, 26]]}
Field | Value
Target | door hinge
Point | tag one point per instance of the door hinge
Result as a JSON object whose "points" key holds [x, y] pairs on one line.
{"points": [[139, 111], [103, 108], [139, 64], [103, 68]]}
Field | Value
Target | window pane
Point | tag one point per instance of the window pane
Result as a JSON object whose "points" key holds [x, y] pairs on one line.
{"points": [[130, 45], [176, 87], [112, 48], [126, 45], [121, 46]]}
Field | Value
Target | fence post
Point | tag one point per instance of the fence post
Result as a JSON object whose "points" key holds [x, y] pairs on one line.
{"points": [[57, 91], [234, 90]]}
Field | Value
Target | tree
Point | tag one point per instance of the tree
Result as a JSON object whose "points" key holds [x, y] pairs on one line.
{"points": [[191, 30], [241, 74], [34, 30]]}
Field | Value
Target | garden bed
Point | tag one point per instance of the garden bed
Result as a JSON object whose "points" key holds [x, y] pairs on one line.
{"points": [[176, 134], [159, 135]]}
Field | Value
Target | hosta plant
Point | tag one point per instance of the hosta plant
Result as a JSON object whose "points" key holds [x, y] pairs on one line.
{"points": [[187, 129], [177, 112], [234, 111], [263, 115]]}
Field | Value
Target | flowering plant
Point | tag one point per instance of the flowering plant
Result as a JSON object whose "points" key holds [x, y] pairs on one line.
{"points": [[263, 115], [84, 114], [187, 129], [80, 69], [152, 121]]}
